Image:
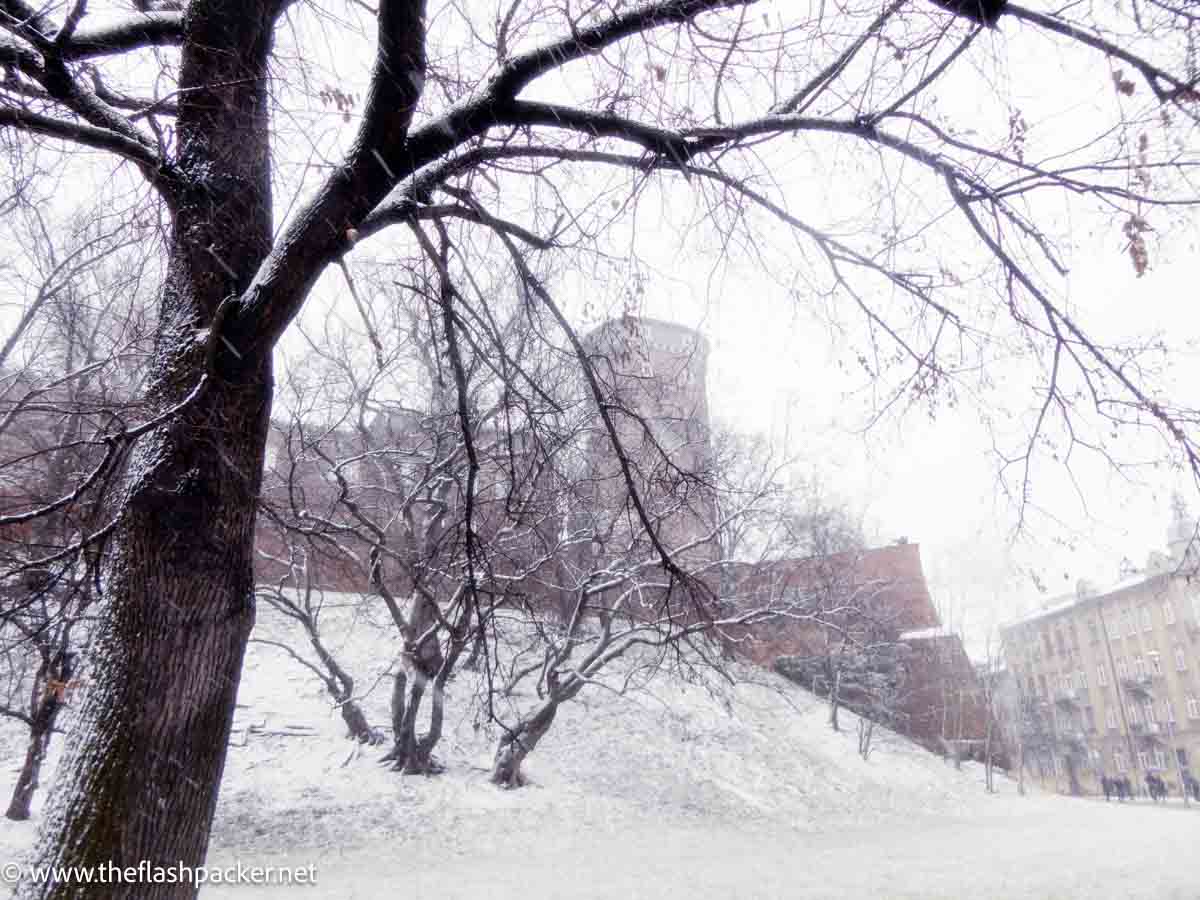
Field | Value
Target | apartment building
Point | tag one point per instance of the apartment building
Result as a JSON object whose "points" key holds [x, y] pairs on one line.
{"points": [[1108, 682]]}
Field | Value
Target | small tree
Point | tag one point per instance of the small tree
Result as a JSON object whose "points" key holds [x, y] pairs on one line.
{"points": [[67, 371]]}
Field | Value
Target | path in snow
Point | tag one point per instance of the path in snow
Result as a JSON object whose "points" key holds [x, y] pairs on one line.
{"points": [[1035, 849]]}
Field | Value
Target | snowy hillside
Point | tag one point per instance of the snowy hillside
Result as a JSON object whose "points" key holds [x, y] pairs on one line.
{"points": [[743, 792]]}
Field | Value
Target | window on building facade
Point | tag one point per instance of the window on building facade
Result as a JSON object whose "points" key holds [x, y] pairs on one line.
{"points": [[1160, 759], [1114, 631], [1081, 680], [1135, 715], [1093, 631], [1155, 662], [1110, 719], [1045, 692], [1168, 611], [1130, 624], [1139, 666], [1193, 707], [1062, 644], [1066, 684], [1181, 755], [1144, 759], [1147, 622], [1120, 762], [1168, 712], [1049, 645], [1148, 711], [1102, 676], [1180, 659], [1122, 667], [1089, 718]]}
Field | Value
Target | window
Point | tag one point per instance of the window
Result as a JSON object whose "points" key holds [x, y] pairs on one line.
{"points": [[1148, 712], [1135, 714], [1144, 759], [1110, 719], [1180, 659], [1081, 680], [1122, 667], [1049, 646], [1114, 631], [1168, 611], [1062, 644], [1139, 666], [1193, 707], [1089, 718], [1093, 631], [1045, 691], [1147, 622], [1155, 663], [1168, 712], [1102, 676], [1120, 762], [1160, 759], [1066, 683], [1130, 624]]}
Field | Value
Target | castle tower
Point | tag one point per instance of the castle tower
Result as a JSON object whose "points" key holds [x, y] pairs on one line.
{"points": [[654, 376]]}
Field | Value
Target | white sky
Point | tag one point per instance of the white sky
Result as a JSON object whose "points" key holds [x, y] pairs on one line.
{"points": [[778, 367]]}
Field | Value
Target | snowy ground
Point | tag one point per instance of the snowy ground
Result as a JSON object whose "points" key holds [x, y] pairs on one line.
{"points": [[674, 793]]}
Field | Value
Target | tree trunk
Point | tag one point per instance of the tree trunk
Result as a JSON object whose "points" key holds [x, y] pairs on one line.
{"points": [[834, 700], [49, 694], [1073, 785], [406, 704], [357, 725], [517, 744], [143, 765]]}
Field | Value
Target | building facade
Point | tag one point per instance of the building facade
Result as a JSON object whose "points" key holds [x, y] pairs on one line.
{"points": [[1108, 683]]}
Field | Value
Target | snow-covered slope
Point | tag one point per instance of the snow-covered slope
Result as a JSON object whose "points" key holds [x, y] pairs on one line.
{"points": [[673, 774]]}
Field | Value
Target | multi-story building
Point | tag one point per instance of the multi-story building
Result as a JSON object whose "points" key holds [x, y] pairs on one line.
{"points": [[1108, 682]]}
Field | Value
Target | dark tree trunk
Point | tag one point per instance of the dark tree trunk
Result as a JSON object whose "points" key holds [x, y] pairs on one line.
{"points": [[405, 749], [143, 766], [835, 692], [357, 725], [27, 781], [518, 743], [49, 694]]}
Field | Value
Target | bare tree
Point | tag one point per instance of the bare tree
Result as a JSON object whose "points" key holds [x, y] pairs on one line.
{"points": [[628, 619], [66, 367], [651, 91]]}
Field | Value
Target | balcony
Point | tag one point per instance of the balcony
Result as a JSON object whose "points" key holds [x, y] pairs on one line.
{"points": [[1066, 697], [1138, 685], [1150, 733], [1075, 741]]}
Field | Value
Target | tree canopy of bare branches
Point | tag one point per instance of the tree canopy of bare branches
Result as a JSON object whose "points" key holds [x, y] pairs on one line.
{"points": [[522, 133]]}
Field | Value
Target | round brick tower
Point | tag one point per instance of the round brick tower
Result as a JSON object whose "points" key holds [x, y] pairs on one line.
{"points": [[655, 375]]}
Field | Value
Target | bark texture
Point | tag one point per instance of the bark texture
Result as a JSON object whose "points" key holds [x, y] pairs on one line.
{"points": [[142, 768]]}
